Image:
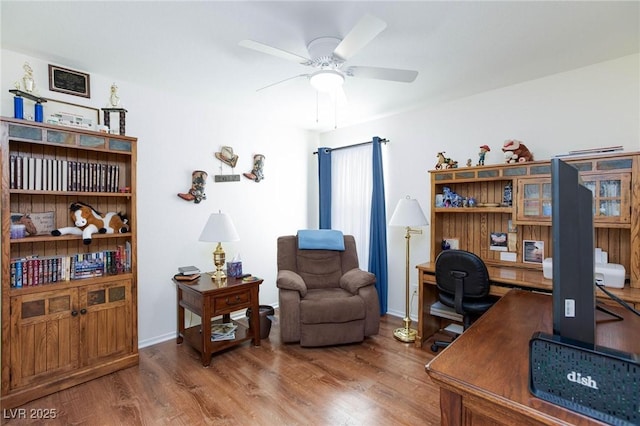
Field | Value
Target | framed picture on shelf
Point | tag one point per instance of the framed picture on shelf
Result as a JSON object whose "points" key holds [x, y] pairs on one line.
{"points": [[68, 81], [36, 223], [532, 251], [450, 244], [498, 241], [72, 115]]}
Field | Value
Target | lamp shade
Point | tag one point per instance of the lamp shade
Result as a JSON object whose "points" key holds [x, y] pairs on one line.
{"points": [[326, 80], [219, 228], [408, 213]]}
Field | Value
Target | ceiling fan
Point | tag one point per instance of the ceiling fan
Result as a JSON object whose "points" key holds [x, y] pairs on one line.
{"points": [[327, 55]]}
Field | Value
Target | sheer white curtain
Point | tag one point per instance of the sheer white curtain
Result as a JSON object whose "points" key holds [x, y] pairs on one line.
{"points": [[351, 188]]}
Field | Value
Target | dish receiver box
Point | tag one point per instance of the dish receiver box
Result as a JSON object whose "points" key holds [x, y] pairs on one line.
{"points": [[595, 381]]}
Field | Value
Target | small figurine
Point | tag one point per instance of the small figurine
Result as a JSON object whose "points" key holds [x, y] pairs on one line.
{"points": [[257, 173], [114, 99], [27, 79], [516, 152], [196, 193], [483, 151], [469, 162], [445, 162]]}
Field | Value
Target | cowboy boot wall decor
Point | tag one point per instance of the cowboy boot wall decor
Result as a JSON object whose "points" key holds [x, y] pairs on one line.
{"points": [[196, 193], [257, 173]]}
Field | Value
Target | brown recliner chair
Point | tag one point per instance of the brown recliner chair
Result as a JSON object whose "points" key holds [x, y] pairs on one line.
{"points": [[325, 299]]}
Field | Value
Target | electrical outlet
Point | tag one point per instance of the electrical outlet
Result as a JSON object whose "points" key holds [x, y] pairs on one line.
{"points": [[414, 289]]}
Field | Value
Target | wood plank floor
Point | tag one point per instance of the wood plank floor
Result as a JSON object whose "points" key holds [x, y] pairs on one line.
{"points": [[378, 382]]}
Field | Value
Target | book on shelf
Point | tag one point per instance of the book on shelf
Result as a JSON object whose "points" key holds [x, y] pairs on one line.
{"points": [[188, 270], [183, 277], [38, 270], [62, 175]]}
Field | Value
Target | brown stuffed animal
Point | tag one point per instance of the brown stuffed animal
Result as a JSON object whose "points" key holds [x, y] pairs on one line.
{"points": [[516, 151], [88, 221]]}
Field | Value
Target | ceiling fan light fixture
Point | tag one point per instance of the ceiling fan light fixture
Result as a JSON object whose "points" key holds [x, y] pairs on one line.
{"points": [[326, 80]]}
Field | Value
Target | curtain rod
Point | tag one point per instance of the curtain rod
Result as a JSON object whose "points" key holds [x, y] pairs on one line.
{"points": [[352, 146]]}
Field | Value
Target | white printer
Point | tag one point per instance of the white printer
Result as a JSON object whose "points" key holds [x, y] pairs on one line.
{"points": [[607, 274]]}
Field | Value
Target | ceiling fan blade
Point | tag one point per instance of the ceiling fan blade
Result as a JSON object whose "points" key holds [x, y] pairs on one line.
{"points": [[367, 28], [405, 76], [282, 81], [274, 51]]}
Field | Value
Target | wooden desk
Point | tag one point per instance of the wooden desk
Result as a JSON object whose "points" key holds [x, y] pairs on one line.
{"points": [[502, 279], [483, 374], [207, 300]]}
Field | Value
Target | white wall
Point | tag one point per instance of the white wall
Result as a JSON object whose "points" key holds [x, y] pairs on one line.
{"points": [[175, 137], [584, 108], [589, 107]]}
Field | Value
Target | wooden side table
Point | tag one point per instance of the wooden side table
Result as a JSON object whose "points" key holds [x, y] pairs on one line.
{"points": [[208, 300]]}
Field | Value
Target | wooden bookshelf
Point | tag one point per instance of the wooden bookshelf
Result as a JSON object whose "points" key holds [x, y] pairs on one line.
{"points": [[62, 333]]}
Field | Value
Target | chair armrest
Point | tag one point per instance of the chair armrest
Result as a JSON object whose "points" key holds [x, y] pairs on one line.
{"points": [[355, 279], [289, 280]]}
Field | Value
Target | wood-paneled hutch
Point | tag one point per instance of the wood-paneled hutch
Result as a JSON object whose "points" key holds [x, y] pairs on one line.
{"points": [[613, 178], [63, 323]]}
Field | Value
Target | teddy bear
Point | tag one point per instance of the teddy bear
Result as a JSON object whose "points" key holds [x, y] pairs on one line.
{"points": [[516, 152]]}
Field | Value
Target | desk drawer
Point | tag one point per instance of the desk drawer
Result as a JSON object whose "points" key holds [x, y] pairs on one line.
{"points": [[231, 302]]}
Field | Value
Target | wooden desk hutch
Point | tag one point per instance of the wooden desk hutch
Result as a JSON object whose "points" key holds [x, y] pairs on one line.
{"points": [[58, 328], [614, 179]]}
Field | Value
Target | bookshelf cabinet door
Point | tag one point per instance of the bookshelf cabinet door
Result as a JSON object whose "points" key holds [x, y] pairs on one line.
{"points": [[44, 335], [106, 321]]}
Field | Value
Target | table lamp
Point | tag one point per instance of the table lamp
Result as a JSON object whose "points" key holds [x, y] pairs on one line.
{"points": [[407, 214], [219, 228]]}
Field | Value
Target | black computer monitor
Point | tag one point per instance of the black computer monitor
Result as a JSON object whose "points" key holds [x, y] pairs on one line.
{"points": [[573, 248]]}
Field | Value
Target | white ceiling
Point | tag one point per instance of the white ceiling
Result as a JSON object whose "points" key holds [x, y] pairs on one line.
{"points": [[458, 48]]}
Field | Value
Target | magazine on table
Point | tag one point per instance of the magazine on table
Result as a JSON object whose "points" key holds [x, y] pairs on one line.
{"points": [[224, 331]]}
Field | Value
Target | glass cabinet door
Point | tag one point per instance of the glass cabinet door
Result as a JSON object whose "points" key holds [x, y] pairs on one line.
{"points": [[610, 197], [534, 199]]}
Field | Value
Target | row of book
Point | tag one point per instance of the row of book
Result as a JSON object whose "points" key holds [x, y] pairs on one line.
{"points": [[36, 270], [45, 174]]}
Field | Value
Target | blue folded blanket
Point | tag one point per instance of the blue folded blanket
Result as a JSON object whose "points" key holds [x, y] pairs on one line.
{"points": [[320, 239]]}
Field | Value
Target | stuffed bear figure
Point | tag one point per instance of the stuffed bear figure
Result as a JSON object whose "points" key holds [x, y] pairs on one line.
{"points": [[516, 152]]}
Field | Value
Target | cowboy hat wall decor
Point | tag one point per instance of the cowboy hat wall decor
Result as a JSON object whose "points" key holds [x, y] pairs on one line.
{"points": [[226, 156]]}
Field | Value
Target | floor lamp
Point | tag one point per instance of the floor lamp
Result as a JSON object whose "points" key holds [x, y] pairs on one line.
{"points": [[407, 214]]}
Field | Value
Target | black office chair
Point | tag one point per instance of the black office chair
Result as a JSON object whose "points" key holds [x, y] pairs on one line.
{"points": [[463, 284]]}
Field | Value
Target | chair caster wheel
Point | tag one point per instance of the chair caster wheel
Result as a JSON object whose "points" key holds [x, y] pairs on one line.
{"points": [[434, 348]]}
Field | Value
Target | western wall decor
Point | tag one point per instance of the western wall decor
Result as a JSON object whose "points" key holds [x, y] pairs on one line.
{"points": [[196, 192], [257, 173], [226, 156], [68, 81]]}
